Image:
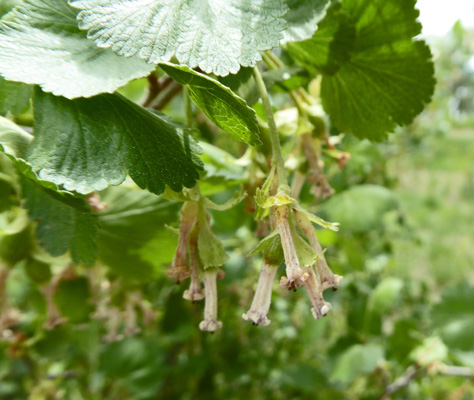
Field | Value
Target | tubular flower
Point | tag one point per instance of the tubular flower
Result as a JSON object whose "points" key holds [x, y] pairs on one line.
{"points": [[295, 275], [326, 277], [195, 292], [263, 296], [179, 268], [320, 307], [210, 322]]}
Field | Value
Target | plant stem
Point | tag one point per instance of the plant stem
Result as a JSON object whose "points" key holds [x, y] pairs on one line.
{"points": [[188, 108], [277, 157]]}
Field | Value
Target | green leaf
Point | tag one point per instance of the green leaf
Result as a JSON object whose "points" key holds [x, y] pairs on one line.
{"points": [[361, 208], [216, 35], [14, 97], [7, 5], [357, 360], [72, 298], [14, 142], [133, 240], [386, 295], [330, 46], [271, 249], [219, 103], [307, 256], [64, 222], [88, 144], [41, 44], [232, 202], [454, 317], [38, 271], [302, 18], [13, 221], [263, 200], [389, 77], [210, 249], [334, 226]]}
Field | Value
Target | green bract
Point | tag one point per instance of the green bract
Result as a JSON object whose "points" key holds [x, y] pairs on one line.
{"points": [[215, 35]]}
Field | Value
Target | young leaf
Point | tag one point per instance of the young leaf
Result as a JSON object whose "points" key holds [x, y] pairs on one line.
{"points": [[89, 144], [219, 103], [389, 77], [41, 44], [216, 35], [302, 18]]}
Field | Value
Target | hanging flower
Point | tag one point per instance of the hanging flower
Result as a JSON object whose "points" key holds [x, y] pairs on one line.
{"points": [[263, 296], [295, 276], [210, 322]]}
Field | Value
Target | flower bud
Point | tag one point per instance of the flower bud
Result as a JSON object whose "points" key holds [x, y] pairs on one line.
{"points": [[179, 268], [294, 274]]}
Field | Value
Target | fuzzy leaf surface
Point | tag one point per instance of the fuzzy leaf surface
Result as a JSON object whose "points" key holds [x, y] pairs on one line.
{"points": [[41, 44], [217, 36], [302, 18], [89, 144]]}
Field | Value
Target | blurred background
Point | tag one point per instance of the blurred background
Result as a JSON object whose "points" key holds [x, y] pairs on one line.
{"points": [[402, 324]]}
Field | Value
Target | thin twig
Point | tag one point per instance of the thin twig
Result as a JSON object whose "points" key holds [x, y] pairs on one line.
{"points": [[169, 94]]}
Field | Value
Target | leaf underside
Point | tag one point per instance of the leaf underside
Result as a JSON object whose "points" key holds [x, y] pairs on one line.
{"points": [[219, 103], [41, 44], [217, 36]]}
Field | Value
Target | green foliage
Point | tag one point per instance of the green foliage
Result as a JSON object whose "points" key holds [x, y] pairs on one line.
{"points": [[64, 222], [302, 18], [87, 308], [377, 77], [221, 105], [213, 41], [44, 36], [14, 97], [110, 136], [361, 208], [454, 317]]}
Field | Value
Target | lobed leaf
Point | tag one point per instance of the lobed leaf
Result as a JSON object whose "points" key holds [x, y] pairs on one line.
{"points": [[89, 144], [217, 36], [375, 75], [41, 44]]}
